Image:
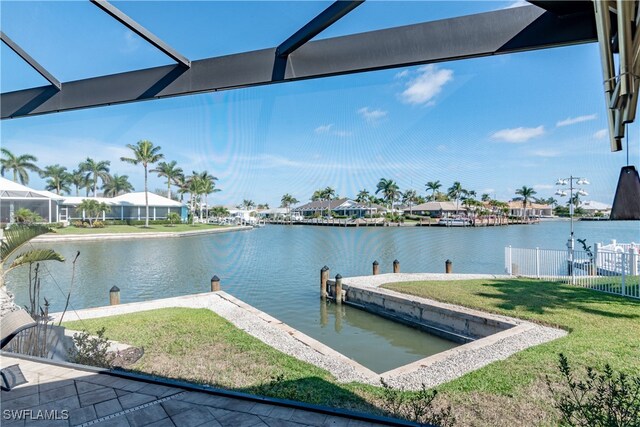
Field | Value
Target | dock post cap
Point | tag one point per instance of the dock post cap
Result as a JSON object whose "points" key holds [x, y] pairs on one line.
{"points": [[375, 262], [448, 261], [215, 279], [325, 268], [338, 276], [114, 289], [395, 261]]}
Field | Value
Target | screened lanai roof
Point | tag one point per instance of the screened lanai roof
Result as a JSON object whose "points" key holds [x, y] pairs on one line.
{"points": [[13, 190], [293, 45]]}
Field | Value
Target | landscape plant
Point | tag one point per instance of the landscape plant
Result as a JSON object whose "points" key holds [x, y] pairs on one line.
{"points": [[26, 216], [90, 350], [415, 406], [93, 209], [173, 218]]}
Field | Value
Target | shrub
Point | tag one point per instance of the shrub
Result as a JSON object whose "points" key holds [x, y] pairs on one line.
{"points": [[78, 224], [98, 224], [416, 406], [603, 399], [90, 350], [26, 216]]}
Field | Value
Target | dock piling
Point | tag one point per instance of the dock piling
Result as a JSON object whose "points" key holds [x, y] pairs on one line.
{"points": [[338, 289], [376, 268], [448, 266], [215, 284], [114, 296], [324, 276], [396, 266]]}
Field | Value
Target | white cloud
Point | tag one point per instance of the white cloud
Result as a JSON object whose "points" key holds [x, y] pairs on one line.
{"points": [[517, 3], [402, 74], [545, 153], [573, 120], [544, 186], [601, 134], [370, 115], [517, 135], [323, 128], [426, 85]]}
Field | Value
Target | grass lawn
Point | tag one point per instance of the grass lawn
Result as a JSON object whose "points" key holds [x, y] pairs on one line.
{"points": [[199, 346], [136, 229]]}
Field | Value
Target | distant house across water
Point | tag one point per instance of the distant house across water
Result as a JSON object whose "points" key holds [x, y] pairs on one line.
{"points": [[341, 207], [54, 208]]}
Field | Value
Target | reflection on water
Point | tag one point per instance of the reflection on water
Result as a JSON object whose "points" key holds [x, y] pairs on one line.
{"points": [[276, 269]]}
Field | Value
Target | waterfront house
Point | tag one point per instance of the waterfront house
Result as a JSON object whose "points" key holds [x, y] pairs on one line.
{"points": [[591, 207], [536, 210], [436, 209], [340, 207], [14, 196]]}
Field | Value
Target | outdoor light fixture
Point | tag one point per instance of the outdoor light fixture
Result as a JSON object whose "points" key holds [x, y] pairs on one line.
{"points": [[582, 181], [561, 193], [561, 182]]}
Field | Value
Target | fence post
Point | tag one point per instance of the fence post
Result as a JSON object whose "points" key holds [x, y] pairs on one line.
{"points": [[376, 268], [624, 273], [114, 296], [510, 265], [537, 262], [633, 259], [596, 255], [338, 289]]}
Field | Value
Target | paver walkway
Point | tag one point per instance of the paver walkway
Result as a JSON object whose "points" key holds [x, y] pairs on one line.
{"points": [[64, 396]]}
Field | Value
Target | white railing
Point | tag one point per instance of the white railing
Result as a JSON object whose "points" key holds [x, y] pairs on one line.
{"points": [[602, 270]]}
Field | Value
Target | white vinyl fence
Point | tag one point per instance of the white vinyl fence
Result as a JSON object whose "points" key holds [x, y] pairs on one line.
{"points": [[602, 270]]}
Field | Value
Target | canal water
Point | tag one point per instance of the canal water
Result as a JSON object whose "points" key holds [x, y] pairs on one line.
{"points": [[276, 269]]}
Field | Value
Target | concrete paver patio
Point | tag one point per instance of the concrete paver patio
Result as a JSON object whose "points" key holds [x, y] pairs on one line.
{"points": [[69, 396]]}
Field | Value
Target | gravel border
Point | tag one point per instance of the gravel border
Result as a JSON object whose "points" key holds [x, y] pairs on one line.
{"points": [[430, 371]]}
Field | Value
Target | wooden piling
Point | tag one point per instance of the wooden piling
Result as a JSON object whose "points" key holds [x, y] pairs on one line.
{"points": [[114, 296], [324, 276], [376, 268], [215, 284], [338, 289], [448, 266], [396, 266]]}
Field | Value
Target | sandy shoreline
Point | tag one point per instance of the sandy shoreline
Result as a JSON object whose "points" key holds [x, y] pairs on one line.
{"points": [[50, 238]]}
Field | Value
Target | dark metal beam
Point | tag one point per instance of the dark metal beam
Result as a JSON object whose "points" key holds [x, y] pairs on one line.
{"points": [[141, 31], [318, 24], [29, 60], [493, 33]]}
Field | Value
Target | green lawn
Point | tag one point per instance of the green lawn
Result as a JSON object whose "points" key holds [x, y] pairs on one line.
{"points": [[200, 346], [136, 229]]}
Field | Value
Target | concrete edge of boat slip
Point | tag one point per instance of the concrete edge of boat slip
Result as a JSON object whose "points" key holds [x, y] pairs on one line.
{"points": [[451, 364], [48, 238]]}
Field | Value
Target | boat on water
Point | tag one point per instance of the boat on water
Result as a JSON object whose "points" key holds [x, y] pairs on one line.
{"points": [[454, 222]]}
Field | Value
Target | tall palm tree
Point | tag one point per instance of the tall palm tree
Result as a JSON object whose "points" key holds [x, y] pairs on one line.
{"points": [[208, 187], [390, 191], [434, 186], [410, 197], [59, 178], [78, 180], [144, 153], [526, 193], [116, 185], [169, 171], [456, 192], [327, 194], [18, 164], [248, 204], [95, 171], [286, 201], [182, 182], [485, 197]]}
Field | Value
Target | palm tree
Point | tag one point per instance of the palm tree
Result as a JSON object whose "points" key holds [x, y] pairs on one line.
{"points": [[410, 197], [526, 193], [116, 185], [363, 196], [286, 201], [18, 164], [169, 171], [248, 204], [327, 194], [96, 170], [434, 186], [182, 182], [456, 192], [390, 190], [145, 153], [208, 187], [485, 197], [92, 208], [59, 178]]}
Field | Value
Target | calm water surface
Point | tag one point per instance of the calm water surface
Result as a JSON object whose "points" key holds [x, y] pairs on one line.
{"points": [[276, 269]]}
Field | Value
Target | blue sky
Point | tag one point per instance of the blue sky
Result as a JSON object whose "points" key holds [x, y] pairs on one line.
{"points": [[494, 124]]}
